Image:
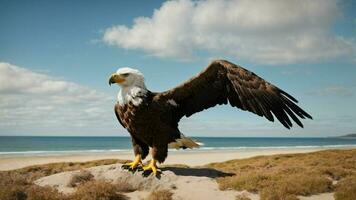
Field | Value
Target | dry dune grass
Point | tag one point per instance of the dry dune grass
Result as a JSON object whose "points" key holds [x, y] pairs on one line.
{"points": [[13, 186], [242, 197], [273, 177], [44, 193], [161, 194], [94, 190], [18, 184], [79, 178], [16, 187], [346, 188], [287, 176]]}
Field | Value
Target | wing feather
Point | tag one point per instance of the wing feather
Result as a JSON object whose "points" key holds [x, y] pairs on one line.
{"points": [[223, 82], [116, 109]]}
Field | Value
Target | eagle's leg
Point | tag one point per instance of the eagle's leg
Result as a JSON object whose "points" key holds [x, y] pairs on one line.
{"points": [[132, 166], [141, 150], [159, 154], [151, 167]]}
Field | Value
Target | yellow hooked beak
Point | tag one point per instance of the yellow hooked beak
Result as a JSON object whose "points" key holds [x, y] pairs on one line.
{"points": [[116, 78]]}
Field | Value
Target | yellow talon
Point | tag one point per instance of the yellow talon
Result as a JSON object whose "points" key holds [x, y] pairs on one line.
{"points": [[152, 166], [133, 165]]}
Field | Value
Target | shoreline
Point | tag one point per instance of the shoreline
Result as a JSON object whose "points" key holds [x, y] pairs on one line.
{"points": [[191, 158], [40, 153]]}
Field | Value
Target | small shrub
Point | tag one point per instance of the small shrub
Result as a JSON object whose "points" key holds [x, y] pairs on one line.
{"points": [[97, 190], [13, 186], [13, 192], [79, 178], [44, 193], [161, 194], [242, 197]]}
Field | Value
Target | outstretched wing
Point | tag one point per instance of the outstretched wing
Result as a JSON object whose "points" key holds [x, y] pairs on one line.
{"points": [[222, 82]]}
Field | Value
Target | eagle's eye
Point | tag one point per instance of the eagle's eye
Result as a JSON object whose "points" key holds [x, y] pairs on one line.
{"points": [[125, 74]]}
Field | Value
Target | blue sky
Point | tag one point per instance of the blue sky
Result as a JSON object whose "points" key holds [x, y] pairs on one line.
{"points": [[56, 56]]}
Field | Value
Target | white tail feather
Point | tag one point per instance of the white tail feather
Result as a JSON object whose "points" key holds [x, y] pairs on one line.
{"points": [[184, 142]]}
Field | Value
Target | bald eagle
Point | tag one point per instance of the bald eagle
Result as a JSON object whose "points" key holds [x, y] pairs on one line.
{"points": [[152, 118]]}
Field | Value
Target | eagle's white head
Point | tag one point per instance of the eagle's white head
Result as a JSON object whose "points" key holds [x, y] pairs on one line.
{"points": [[126, 77], [132, 84]]}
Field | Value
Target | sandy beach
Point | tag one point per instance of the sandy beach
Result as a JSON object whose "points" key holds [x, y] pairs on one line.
{"points": [[195, 158]]}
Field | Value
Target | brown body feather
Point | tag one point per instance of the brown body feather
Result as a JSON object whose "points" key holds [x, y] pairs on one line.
{"points": [[154, 123]]}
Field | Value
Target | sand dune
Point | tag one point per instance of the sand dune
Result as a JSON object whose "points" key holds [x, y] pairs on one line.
{"points": [[186, 183]]}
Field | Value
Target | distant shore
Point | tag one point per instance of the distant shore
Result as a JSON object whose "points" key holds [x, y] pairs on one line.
{"points": [[191, 158]]}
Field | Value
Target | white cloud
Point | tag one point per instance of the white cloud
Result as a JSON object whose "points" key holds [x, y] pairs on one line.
{"points": [[272, 31], [39, 102]]}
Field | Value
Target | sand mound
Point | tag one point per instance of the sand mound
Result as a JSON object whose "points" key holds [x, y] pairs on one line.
{"points": [[185, 183]]}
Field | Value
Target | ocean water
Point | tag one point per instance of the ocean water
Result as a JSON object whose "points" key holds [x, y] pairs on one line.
{"points": [[76, 145]]}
